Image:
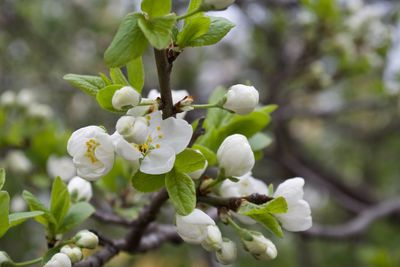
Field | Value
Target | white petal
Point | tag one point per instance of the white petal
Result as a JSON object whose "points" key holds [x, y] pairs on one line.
{"points": [[298, 217], [75, 141], [155, 120], [158, 161], [177, 133], [125, 149], [291, 190]]}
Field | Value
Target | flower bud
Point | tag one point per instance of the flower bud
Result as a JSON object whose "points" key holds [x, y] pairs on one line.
{"points": [[186, 103], [17, 162], [193, 228], [74, 253], [8, 98], [5, 260], [39, 111], [134, 130], [59, 260], [86, 239], [25, 97], [213, 240], [260, 247], [217, 4], [80, 189], [124, 97], [228, 252], [235, 156], [241, 99]]}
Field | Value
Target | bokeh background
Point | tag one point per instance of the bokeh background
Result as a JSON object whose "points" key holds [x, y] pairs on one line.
{"points": [[333, 67]]}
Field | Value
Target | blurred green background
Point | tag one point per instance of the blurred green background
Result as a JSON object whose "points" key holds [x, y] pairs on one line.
{"points": [[333, 67]]}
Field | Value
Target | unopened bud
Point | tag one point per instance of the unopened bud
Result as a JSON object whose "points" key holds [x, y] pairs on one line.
{"points": [[260, 247], [228, 252], [86, 239], [5, 260], [74, 253], [125, 97], [213, 240], [80, 189], [59, 260], [241, 99]]}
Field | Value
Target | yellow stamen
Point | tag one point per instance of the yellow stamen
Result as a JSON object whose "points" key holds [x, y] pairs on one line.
{"points": [[91, 145]]}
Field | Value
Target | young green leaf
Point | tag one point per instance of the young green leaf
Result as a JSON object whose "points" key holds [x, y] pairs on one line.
{"points": [[60, 200], [136, 73], [208, 154], [2, 177], [20, 217], [105, 79], [219, 27], [35, 205], [4, 209], [158, 31], [118, 77], [76, 215], [105, 95], [189, 161], [144, 182], [87, 83], [181, 191], [259, 141], [193, 29], [269, 222], [156, 8], [129, 42], [276, 206]]}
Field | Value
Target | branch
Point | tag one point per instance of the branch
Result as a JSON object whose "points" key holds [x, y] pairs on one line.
{"points": [[357, 225], [109, 217], [164, 68]]}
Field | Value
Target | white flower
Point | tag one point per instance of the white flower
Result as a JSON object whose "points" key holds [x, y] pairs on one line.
{"points": [[193, 228], [177, 95], [80, 189], [60, 166], [74, 253], [39, 111], [59, 260], [166, 138], [246, 186], [298, 216], [16, 161], [86, 239], [8, 98], [25, 97], [134, 130], [241, 99], [219, 4], [228, 252], [260, 247], [213, 240], [92, 151], [235, 156], [124, 97], [18, 204], [197, 174]]}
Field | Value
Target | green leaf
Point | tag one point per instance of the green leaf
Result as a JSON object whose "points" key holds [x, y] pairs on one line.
{"points": [[4, 209], [215, 116], [105, 79], [193, 29], [219, 27], [269, 222], [276, 206], [146, 183], [76, 215], [118, 77], [136, 73], [87, 83], [105, 95], [181, 191], [35, 205], [156, 8], [158, 31], [2, 177], [189, 160], [129, 42], [60, 200], [208, 154], [259, 141], [20, 217]]}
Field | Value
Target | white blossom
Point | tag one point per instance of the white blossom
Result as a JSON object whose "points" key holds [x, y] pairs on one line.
{"points": [[74, 253], [298, 216], [16, 161], [61, 166], [25, 97], [92, 151], [8, 98], [260, 247], [241, 99], [193, 228], [166, 138], [80, 189], [86, 239], [235, 156], [125, 97], [213, 240], [39, 111], [246, 186], [218, 4], [18, 204], [228, 252], [134, 130], [59, 260]]}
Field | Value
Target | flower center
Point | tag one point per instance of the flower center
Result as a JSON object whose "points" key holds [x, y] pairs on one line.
{"points": [[91, 145]]}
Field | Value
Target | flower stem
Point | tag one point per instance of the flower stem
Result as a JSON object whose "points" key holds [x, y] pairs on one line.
{"points": [[206, 106], [27, 263], [189, 14]]}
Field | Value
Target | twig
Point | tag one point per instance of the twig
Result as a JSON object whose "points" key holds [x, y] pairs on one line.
{"points": [[164, 68], [108, 217], [199, 131]]}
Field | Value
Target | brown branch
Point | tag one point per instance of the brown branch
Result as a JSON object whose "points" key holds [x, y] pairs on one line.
{"points": [[164, 68], [109, 217]]}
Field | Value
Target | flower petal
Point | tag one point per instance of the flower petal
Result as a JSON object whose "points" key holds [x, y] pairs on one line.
{"points": [[158, 161], [74, 142], [177, 133], [125, 149], [298, 217], [291, 190]]}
